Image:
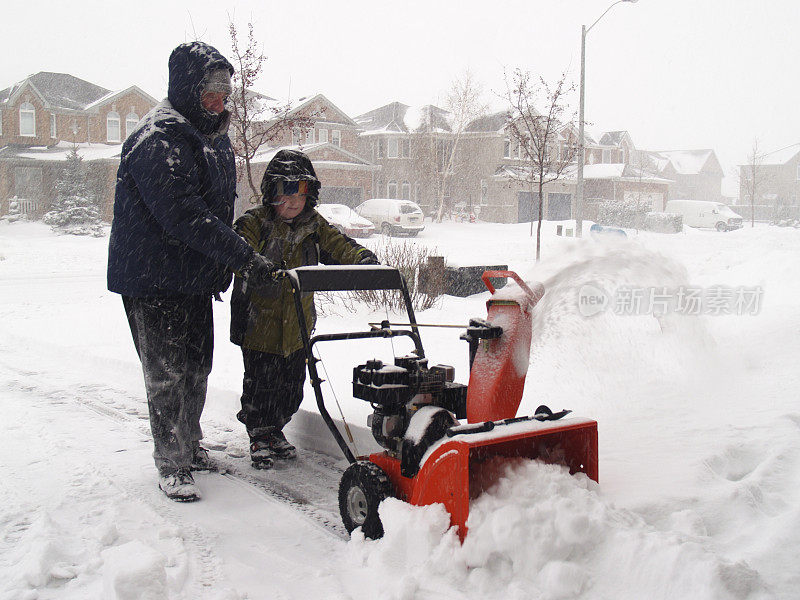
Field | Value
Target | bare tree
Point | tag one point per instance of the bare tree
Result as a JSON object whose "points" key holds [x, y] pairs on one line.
{"points": [[464, 102], [546, 139], [256, 119], [751, 178]]}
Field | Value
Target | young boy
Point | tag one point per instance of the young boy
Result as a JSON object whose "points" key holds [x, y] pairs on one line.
{"points": [[285, 230]]}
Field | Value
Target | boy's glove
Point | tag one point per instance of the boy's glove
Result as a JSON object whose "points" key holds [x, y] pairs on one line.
{"points": [[259, 271], [368, 258]]}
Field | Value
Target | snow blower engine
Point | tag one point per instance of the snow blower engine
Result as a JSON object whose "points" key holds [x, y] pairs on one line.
{"points": [[443, 441]]}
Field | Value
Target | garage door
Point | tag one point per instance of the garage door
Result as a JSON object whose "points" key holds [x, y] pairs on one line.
{"points": [[559, 207]]}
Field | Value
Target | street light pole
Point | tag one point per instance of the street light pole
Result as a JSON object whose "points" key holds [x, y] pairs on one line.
{"points": [[581, 140]]}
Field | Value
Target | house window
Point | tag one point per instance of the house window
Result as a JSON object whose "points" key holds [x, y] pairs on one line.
{"points": [[112, 127], [1, 122], [606, 156], [484, 193], [393, 147], [336, 137], [27, 120], [131, 120], [323, 136], [310, 136], [798, 172], [507, 148], [297, 135], [380, 147], [52, 125], [405, 148], [391, 189], [406, 189], [416, 193]]}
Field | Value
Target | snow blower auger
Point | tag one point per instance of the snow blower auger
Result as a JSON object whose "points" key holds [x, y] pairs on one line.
{"points": [[444, 441]]}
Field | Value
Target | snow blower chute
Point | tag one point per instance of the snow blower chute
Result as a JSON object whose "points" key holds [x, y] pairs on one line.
{"points": [[443, 441]]}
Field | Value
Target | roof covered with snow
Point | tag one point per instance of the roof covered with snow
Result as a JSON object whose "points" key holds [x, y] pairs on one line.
{"points": [[60, 150], [402, 118], [343, 158], [689, 162], [782, 156], [61, 90], [488, 123], [614, 138]]}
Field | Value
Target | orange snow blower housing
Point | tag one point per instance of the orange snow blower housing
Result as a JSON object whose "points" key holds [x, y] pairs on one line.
{"points": [[444, 442]]}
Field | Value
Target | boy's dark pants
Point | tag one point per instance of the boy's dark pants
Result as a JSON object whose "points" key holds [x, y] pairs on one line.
{"points": [[271, 391], [174, 338]]}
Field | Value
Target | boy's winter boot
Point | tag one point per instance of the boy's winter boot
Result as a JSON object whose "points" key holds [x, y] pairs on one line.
{"points": [[261, 454], [201, 461], [280, 446], [179, 486]]}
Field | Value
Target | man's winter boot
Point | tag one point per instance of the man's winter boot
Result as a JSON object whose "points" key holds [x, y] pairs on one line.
{"points": [[261, 454], [201, 461], [281, 447], [179, 486]]}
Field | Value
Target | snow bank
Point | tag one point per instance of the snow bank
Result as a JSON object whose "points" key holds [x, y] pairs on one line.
{"points": [[134, 571], [540, 533]]}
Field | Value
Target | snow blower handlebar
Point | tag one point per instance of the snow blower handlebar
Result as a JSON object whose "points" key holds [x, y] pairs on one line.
{"points": [[346, 278]]}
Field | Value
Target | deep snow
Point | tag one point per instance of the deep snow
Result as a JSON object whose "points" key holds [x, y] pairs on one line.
{"points": [[699, 493]]}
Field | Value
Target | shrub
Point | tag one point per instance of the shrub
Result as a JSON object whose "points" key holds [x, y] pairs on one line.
{"points": [[663, 222], [625, 213]]}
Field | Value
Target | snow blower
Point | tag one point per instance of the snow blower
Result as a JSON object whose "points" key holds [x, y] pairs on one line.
{"points": [[443, 441]]}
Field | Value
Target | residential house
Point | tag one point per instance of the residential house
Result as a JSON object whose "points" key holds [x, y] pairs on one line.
{"points": [[696, 174], [411, 145], [776, 179], [508, 192], [332, 143], [44, 115]]}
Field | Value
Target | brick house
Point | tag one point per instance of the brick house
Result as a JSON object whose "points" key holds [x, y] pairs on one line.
{"points": [[45, 115], [410, 145], [332, 144], [777, 185], [696, 174]]}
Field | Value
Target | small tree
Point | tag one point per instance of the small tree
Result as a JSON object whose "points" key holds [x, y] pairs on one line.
{"points": [[752, 178], [257, 120], [75, 209], [464, 102], [547, 145]]}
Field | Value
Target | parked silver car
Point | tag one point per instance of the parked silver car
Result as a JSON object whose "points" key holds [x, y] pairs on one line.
{"points": [[346, 220], [393, 216]]}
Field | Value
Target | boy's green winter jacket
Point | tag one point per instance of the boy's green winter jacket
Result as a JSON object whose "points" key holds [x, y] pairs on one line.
{"points": [[265, 319]]}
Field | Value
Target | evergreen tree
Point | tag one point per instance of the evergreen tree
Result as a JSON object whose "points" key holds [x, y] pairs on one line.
{"points": [[75, 210]]}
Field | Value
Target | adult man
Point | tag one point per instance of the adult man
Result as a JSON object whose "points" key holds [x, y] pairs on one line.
{"points": [[172, 248]]}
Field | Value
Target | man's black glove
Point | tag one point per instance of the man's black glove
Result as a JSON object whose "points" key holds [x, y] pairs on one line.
{"points": [[368, 258], [259, 271]]}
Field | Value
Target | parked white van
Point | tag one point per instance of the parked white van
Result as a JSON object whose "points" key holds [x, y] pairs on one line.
{"points": [[391, 215], [703, 213]]}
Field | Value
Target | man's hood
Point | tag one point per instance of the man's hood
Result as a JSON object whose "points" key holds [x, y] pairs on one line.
{"points": [[188, 65]]}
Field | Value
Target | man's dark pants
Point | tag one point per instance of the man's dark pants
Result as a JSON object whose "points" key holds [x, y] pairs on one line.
{"points": [[272, 390], [174, 338]]}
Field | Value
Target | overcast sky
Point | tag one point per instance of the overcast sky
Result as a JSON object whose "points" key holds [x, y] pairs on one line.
{"points": [[676, 74]]}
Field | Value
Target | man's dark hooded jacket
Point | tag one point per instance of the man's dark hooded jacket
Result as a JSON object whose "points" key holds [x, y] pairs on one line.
{"points": [[176, 187]]}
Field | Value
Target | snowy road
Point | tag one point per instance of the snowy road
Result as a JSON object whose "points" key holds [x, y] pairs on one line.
{"points": [[699, 444]]}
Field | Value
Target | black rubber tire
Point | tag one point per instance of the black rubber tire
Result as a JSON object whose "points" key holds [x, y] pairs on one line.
{"points": [[362, 488], [722, 227], [386, 229], [413, 233]]}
